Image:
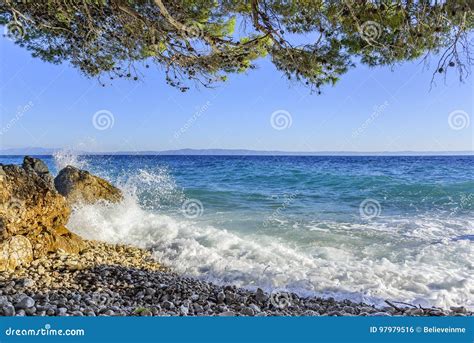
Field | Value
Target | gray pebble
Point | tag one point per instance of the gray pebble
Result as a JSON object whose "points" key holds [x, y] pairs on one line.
{"points": [[20, 313], [380, 314], [415, 312], [227, 314], [220, 297], [168, 305], [198, 308], [62, 311], [26, 283], [260, 295], [183, 310], [458, 309], [24, 301], [255, 308], [8, 310], [247, 311]]}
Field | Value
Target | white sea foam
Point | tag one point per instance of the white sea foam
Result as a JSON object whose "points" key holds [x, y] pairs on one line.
{"points": [[63, 158], [435, 270]]}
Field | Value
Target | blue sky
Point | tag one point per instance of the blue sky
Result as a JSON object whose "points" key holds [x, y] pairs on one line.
{"points": [[377, 109]]}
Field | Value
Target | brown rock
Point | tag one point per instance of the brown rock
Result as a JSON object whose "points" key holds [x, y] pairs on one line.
{"points": [[57, 239], [15, 251], [80, 186], [28, 202], [31, 207]]}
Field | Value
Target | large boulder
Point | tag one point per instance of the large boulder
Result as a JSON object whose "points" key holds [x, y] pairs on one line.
{"points": [[30, 207], [80, 186]]}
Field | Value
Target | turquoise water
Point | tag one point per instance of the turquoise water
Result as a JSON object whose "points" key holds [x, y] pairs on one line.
{"points": [[365, 228]]}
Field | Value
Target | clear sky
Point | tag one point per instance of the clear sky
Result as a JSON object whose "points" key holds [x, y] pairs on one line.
{"points": [[378, 109]]}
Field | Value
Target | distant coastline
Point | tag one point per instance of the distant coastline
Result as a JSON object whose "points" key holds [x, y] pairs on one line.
{"points": [[36, 151]]}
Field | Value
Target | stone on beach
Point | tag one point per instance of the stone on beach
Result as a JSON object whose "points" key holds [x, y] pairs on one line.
{"points": [[31, 210], [24, 302], [80, 186], [29, 203]]}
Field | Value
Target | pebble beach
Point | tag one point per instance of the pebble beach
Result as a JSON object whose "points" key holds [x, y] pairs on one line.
{"points": [[117, 280]]}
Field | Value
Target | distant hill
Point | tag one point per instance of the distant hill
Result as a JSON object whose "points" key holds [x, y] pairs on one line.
{"points": [[28, 151], [232, 152]]}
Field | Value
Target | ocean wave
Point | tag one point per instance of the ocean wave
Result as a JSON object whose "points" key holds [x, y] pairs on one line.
{"points": [[438, 274], [422, 258]]}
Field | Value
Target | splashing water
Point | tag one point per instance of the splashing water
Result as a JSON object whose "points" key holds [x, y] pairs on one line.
{"points": [[152, 189], [64, 158]]}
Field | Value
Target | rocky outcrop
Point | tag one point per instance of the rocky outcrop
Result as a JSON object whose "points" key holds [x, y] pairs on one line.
{"points": [[80, 186], [31, 209], [37, 166]]}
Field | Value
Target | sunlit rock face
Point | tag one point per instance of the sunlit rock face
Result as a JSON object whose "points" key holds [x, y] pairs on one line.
{"points": [[80, 186], [32, 210]]}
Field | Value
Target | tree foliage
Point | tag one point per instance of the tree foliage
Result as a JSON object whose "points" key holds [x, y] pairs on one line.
{"points": [[311, 41]]}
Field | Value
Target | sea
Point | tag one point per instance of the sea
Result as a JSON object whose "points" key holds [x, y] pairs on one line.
{"points": [[364, 228]]}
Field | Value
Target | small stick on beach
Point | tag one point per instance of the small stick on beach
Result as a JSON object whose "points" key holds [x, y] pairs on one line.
{"points": [[395, 307]]}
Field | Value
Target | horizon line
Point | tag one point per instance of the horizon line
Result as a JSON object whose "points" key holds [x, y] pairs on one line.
{"points": [[223, 152]]}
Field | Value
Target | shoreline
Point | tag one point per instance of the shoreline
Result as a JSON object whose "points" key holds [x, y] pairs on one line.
{"points": [[119, 280], [47, 270]]}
